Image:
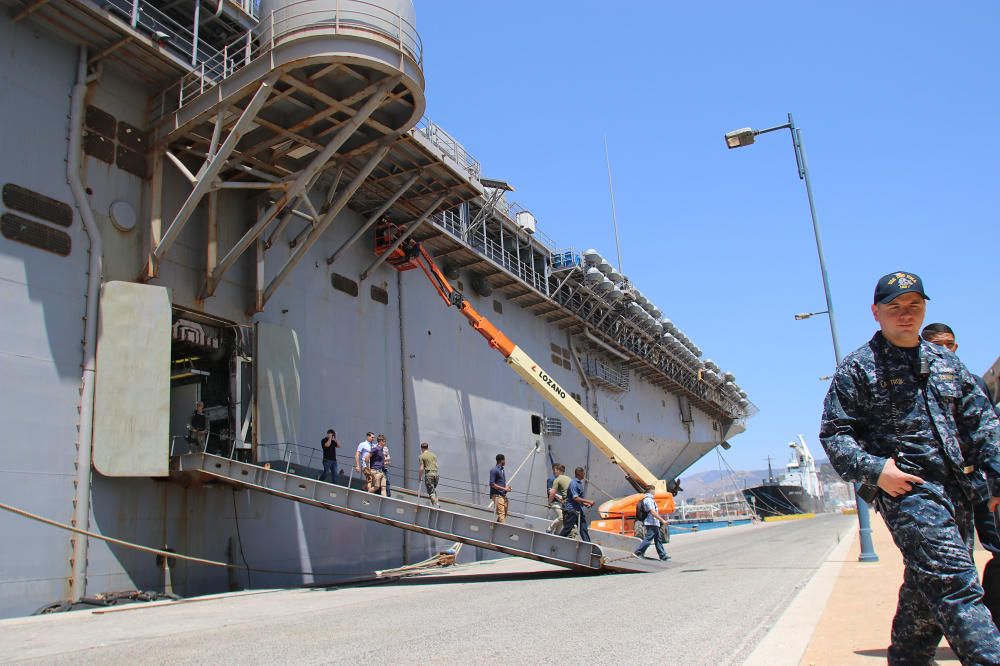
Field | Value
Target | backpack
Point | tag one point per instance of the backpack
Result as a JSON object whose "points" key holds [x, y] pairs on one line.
{"points": [[640, 510]]}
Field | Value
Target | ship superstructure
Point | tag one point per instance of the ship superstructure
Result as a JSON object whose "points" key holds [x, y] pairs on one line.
{"points": [[191, 189]]}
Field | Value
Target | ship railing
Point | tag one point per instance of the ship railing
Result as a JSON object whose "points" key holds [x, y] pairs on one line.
{"points": [[304, 460], [645, 346], [450, 146], [230, 448], [493, 251], [147, 18], [451, 221], [345, 17], [615, 378], [510, 210]]}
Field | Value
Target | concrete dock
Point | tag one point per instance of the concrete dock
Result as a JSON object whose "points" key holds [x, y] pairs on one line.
{"points": [[781, 593]]}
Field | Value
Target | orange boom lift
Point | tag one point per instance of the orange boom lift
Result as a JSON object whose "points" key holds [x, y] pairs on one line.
{"points": [[616, 515]]}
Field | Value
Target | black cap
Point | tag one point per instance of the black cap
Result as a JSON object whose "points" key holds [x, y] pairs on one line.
{"points": [[896, 284]]}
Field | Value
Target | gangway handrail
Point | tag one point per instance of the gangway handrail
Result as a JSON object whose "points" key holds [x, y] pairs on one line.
{"points": [[433, 521]]}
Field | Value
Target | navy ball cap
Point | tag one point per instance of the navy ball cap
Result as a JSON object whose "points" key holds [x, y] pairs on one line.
{"points": [[896, 284]]}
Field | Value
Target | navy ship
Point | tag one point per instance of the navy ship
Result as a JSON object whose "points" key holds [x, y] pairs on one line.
{"points": [[190, 203]]}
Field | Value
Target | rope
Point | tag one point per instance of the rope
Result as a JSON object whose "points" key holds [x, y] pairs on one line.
{"points": [[148, 549]]}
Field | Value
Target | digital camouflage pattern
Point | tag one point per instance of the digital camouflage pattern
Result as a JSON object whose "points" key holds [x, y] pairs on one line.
{"points": [[921, 407]]}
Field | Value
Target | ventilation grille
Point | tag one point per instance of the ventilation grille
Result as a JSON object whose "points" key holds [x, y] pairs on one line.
{"points": [[37, 205], [552, 425], [116, 142], [35, 234]]}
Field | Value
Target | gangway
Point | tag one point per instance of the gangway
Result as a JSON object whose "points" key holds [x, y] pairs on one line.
{"points": [[451, 523]]}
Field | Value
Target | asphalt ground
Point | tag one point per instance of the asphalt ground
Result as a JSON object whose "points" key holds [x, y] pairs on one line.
{"points": [[720, 595]]}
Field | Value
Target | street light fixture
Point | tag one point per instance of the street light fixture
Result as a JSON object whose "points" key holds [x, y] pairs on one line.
{"points": [[741, 137], [745, 137]]}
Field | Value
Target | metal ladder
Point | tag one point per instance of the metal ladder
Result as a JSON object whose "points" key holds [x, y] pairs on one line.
{"points": [[450, 523]]}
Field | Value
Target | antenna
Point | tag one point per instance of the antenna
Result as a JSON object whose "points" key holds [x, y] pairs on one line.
{"points": [[614, 216]]}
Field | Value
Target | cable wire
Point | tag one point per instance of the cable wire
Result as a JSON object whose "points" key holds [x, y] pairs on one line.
{"points": [[156, 551], [239, 538]]}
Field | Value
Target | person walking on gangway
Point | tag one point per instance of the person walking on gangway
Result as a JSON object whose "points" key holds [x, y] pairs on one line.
{"points": [[499, 488], [329, 445], [376, 464], [558, 490], [361, 460], [428, 472], [574, 506]]}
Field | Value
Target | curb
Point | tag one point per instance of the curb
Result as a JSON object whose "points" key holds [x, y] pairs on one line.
{"points": [[788, 639]]}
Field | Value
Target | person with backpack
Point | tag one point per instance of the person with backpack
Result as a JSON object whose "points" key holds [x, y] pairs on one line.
{"points": [[648, 514], [376, 461]]}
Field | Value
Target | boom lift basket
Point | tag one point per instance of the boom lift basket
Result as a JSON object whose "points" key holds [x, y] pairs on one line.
{"points": [[402, 258]]}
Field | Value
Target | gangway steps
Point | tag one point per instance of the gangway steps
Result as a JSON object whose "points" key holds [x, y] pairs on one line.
{"points": [[437, 522]]}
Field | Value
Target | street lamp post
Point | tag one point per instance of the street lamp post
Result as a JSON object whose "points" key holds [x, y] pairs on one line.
{"points": [[745, 137]]}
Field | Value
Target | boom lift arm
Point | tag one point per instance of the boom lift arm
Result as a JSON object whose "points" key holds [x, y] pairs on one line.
{"points": [[636, 473]]}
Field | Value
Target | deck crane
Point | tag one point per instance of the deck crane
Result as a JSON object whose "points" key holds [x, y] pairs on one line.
{"points": [[618, 514]]}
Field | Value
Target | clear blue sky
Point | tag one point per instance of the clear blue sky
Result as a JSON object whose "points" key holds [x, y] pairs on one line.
{"points": [[900, 113]]}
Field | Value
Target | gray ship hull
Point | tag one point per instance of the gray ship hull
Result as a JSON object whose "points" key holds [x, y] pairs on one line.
{"points": [[403, 365]]}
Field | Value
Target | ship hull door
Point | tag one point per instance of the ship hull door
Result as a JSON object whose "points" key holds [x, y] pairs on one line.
{"points": [[132, 400]]}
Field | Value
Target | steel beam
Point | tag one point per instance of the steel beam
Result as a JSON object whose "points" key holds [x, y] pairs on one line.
{"points": [[299, 184], [213, 145], [338, 205], [330, 193], [213, 166], [372, 219], [176, 161], [155, 217], [280, 227], [30, 9], [413, 226], [212, 245]]}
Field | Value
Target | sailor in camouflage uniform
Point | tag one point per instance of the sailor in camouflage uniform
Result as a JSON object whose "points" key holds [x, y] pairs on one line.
{"points": [[906, 416]]}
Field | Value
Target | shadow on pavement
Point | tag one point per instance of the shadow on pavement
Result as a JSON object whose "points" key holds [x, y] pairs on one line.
{"points": [[941, 654], [498, 577]]}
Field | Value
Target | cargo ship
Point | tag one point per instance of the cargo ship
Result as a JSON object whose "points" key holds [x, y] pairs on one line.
{"points": [[190, 202], [797, 491]]}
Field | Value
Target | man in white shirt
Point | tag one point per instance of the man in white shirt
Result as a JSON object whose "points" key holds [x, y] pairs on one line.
{"points": [[360, 462], [651, 525]]}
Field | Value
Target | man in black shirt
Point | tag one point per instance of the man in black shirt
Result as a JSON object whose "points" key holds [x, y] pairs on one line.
{"points": [[198, 428], [329, 444]]}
